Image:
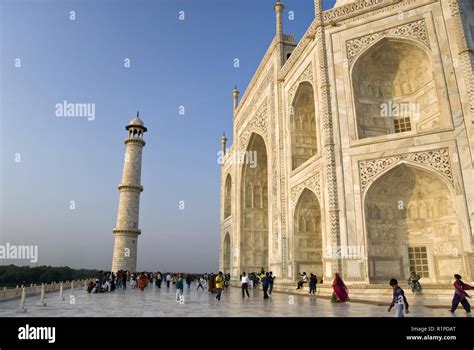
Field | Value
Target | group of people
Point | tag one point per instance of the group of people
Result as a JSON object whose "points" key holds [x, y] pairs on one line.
{"points": [[253, 280], [312, 280], [108, 282], [216, 283]]}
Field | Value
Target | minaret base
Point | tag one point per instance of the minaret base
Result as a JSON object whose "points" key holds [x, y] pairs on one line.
{"points": [[125, 252]]}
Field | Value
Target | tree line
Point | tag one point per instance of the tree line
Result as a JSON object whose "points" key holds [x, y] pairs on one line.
{"points": [[12, 275]]}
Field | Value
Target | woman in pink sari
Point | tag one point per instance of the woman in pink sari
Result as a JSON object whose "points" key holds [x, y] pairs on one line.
{"points": [[341, 293]]}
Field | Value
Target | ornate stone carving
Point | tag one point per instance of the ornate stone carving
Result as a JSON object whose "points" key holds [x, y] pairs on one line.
{"points": [[353, 8], [307, 75], [313, 183], [466, 55], [259, 122], [416, 30], [437, 159]]}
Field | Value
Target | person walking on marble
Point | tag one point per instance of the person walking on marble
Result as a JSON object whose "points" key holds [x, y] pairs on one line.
{"points": [[265, 285], [188, 281], [270, 288], [200, 281], [460, 294], [179, 289], [244, 280], [168, 280], [399, 300], [313, 280], [219, 285], [159, 279]]}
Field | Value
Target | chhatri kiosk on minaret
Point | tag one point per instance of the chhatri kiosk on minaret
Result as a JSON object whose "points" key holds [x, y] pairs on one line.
{"points": [[126, 230]]}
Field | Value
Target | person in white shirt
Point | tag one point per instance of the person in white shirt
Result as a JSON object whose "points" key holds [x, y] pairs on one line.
{"points": [[303, 279], [168, 280], [244, 280]]}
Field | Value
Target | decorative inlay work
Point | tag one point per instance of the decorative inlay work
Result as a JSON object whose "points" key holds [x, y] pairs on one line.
{"points": [[437, 159], [313, 183], [352, 8], [259, 121], [289, 38], [307, 75], [416, 30]]}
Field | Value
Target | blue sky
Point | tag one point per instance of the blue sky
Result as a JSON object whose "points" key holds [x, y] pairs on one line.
{"points": [[172, 63]]}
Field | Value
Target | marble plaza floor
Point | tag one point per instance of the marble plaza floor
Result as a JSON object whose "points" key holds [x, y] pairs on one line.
{"points": [[154, 302]]}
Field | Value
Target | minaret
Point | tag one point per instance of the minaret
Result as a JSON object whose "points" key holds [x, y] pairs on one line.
{"points": [[279, 7], [235, 93], [224, 144], [126, 230]]}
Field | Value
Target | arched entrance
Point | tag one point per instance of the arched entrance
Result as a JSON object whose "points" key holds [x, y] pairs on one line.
{"points": [[254, 207], [228, 197], [394, 89], [411, 225], [303, 125], [307, 240], [227, 251]]}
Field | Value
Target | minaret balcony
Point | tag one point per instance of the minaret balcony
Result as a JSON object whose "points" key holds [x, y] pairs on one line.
{"points": [[127, 187], [134, 139], [126, 232]]}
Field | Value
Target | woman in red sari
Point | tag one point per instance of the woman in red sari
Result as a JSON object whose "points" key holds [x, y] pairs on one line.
{"points": [[142, 281], [341, 293]]}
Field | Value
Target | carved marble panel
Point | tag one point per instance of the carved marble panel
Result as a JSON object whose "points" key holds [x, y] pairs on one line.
{"points": [[437, 159], [416, 30]]}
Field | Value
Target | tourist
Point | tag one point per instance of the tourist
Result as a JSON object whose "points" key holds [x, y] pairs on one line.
{"points": [[124, 279], [244, 280], [168, 280], [133, 281], [188, 281], [414, 282], [226, 280], [101, 277], [270, 288], [219, 285], [200, 281], [252, 280], [107, 286], [112, 282], [179, 288], [142, 281], [119, 279], [460, 294], [97, 287], [159, 279], [90, 287], [303, 279], [265, 285], [340, 292], [399, 300], [313, 280]]}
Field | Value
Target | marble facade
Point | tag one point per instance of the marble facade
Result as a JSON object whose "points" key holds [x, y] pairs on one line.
{"points": [[364, 138]]}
